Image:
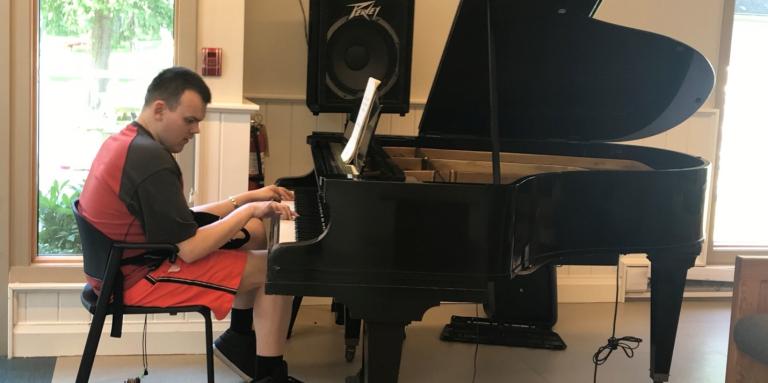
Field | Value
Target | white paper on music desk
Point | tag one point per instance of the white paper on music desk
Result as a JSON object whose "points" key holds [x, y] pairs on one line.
{"points": [[362, 119]]}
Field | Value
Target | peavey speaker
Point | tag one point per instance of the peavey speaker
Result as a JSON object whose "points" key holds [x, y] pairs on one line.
{"points": [[350, 41]]}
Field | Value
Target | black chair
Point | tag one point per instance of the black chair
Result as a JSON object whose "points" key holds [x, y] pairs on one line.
{"points": [[102, 258]]}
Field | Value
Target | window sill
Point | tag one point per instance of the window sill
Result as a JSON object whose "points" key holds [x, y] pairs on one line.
{"points": [[47, 273]]}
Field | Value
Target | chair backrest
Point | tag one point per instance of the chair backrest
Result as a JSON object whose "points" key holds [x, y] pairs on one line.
{"points": [[96, 246]]}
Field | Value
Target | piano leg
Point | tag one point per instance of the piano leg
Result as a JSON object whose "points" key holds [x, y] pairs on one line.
{"points": [[351, 335], [668, 273], [382, 348]]}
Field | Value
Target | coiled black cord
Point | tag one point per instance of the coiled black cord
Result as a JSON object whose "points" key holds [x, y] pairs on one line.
{"points": [[628, 344]]}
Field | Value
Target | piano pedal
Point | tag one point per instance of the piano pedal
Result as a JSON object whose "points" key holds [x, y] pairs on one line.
{"points": [[488, 331], [349, 353]]}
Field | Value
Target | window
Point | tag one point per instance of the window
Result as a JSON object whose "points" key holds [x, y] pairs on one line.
{"points": [[741, 205], [95, 60]]}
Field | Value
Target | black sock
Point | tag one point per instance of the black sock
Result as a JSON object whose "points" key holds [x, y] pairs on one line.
{"points": [[266, 365], [241, 320]]}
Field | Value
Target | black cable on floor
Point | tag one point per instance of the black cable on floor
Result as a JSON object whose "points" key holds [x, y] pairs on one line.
{"points": [[144, 357], [628, 344], [304, 15], [362, 365], [477, 345]]}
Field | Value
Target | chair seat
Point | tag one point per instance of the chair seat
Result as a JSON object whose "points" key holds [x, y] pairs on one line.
{"points": [[88, 298]]}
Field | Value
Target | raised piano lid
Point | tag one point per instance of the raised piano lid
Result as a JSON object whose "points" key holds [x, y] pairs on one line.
{"points": [[561, 75]]}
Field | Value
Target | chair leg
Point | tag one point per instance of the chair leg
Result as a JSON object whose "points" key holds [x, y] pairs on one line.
{"points": [[208, 344], [89, 352], [294, 314]]}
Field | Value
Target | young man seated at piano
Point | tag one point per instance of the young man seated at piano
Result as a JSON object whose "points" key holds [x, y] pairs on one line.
{"points": [[133, 193]]}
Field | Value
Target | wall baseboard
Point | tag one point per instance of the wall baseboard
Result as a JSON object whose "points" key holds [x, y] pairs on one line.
{"points": [[46, 319], [592, 289], [33, 335], [67, 339]]}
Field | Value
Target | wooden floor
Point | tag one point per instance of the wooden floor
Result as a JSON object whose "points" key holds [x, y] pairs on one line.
{"points": [[315, 352]]}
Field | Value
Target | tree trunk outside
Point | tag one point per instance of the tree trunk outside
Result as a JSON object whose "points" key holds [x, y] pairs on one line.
{"points": [[101, 40]]}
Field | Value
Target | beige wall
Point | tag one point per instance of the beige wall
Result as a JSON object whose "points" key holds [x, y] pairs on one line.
{"points": [[276, 52], [5, 107], [15, 177], [220, 25]]}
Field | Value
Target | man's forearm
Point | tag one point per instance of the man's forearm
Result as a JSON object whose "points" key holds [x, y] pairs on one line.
{"points": [[225, 206], [211, 237]]}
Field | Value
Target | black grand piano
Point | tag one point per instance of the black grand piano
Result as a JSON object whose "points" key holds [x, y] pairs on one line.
{"points": [[514, 168]]}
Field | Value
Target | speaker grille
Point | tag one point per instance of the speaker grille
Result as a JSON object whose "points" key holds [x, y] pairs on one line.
{"points": [[350, 41], [358, 49]]}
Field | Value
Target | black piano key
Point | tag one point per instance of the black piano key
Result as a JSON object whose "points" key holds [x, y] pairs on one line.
{"points": [[311, 221]]}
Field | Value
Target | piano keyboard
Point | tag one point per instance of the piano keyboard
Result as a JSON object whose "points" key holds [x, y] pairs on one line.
{"points": [[310, 222]]}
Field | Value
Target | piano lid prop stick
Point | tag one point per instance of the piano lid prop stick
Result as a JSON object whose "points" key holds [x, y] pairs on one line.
{"points": [[493, 100]]}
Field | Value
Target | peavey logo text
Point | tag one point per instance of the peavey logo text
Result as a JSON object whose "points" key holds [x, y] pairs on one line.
{"points": [[367, 9]]}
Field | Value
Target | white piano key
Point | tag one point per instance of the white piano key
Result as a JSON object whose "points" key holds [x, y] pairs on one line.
{"points": [[287, 231], [287, 226]]}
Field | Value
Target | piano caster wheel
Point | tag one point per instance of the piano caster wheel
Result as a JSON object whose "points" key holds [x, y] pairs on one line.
{"points": [[338, 313], [349, 353]]}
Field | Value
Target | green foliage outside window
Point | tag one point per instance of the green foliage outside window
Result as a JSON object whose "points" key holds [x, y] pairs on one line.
{"points": [[79, 31], [111, 24], [57, 230]]}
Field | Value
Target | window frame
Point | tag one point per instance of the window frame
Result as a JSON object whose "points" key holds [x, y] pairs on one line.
{"points": [[724, 255], [25, 264]]}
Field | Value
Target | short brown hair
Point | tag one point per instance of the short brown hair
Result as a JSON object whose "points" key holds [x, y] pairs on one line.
{"points": [[171, 83]]}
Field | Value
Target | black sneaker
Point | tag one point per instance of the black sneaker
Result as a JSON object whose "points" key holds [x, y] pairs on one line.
{"points": [[279, 375], [238, 352]]}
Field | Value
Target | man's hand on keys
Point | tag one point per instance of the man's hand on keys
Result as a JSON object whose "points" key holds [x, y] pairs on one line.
{"points": [[271, 193], [265, 209]]}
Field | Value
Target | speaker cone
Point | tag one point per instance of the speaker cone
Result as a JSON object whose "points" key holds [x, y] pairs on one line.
{"points": [[357, 49]]}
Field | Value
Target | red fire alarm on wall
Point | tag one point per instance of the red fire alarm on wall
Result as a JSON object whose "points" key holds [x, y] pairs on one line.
{"points": [[211, 61]]}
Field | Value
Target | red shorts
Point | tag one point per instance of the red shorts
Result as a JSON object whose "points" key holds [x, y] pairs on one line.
{"points": [[211, 281]]}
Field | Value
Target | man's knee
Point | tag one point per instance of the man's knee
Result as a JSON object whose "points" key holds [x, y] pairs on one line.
{"points": [[255, 273], [258, 234]]}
